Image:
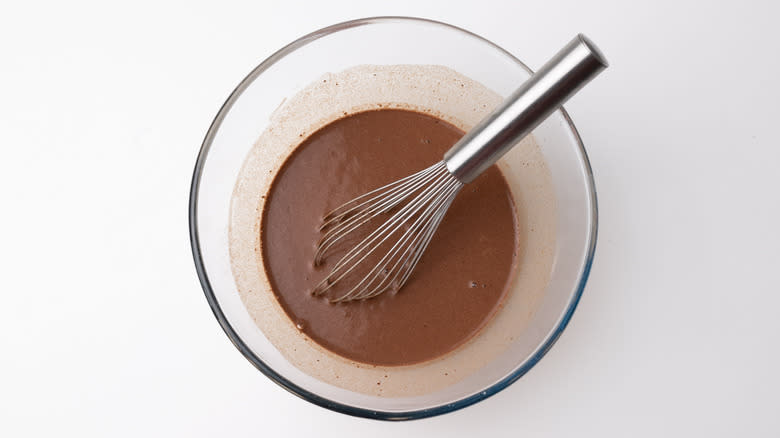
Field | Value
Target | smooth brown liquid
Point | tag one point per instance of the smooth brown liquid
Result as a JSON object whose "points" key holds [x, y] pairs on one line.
{"points": [[460, 280]]}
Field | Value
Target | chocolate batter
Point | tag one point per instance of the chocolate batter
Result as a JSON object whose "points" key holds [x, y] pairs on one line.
{"points": [[458, 284]]}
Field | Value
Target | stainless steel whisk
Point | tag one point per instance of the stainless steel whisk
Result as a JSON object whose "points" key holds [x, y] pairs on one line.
{"points": [[422, 199]]}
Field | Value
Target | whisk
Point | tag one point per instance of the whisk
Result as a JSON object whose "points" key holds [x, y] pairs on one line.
{"points": [[417, 203]]}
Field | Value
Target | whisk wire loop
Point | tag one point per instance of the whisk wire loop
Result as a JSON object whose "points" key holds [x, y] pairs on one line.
{"points": [[342, 221], [412, 242], [431, 190]]}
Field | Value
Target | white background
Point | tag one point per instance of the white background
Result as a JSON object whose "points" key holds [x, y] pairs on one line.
{"points": [[104, 330]]}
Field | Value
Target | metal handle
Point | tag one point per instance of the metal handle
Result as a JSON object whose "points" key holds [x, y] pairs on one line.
{"points": [[562, 76]]}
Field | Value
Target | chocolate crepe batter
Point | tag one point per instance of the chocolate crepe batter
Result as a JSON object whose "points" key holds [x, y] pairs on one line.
{"points": [[460, 280]]}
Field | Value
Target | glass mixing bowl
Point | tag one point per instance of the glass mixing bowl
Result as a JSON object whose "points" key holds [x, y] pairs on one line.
{"points": [[386, 41]]}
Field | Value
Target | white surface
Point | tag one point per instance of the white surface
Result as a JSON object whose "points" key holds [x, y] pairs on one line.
{"points": [[104, 330]]}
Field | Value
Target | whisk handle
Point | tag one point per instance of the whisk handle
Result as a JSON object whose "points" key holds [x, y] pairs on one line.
{"points": [[559, 79]]}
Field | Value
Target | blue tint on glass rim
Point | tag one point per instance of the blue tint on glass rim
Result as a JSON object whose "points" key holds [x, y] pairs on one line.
{"points": [[281, 380]]}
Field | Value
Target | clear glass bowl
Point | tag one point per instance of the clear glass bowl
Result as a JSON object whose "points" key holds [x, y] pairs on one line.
{"points": [[386, 41]]}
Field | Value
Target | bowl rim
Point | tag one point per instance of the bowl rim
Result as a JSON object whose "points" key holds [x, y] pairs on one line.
{"points": [[288, 385]]}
